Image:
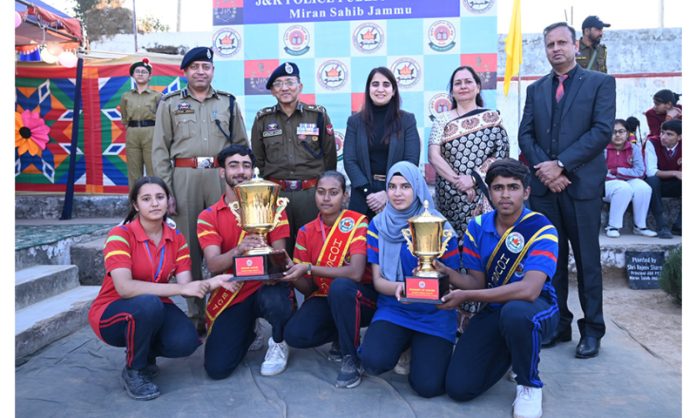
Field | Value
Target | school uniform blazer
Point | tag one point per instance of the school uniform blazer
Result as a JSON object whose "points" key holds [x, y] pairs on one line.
{"points": [[356, 157], [587, 121]]}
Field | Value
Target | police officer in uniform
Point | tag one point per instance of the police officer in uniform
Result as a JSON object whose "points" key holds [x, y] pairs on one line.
{"points": [[592, 55], [138, 107], [193, 125], [293, 143]]}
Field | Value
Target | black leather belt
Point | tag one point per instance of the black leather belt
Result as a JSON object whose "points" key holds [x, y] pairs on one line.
{"points": [[140, 123]]}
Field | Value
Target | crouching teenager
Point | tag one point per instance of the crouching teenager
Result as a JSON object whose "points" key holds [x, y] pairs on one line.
{"points": [[396, 326], [510, 255]]}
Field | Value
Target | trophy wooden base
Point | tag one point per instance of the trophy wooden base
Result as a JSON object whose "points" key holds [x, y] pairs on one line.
{"points": [[425, 289], [260, 266]]}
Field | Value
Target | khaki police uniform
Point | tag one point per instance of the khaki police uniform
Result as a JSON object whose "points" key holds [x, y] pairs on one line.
{"points": [[138, 111], [585, 55], [188, 136], [294, 151]]}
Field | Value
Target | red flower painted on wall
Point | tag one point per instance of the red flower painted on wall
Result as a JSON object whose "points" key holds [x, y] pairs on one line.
{"points": [[31, 133]]}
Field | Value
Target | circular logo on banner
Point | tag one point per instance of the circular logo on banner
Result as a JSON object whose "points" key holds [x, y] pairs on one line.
{"points": [[514, 242], [406, 71], [441, 35], [439, 103], [368, 37], [249, 262], [421, 284], [332, 74], [346, 225], [226, 42], [478, 6], [339, 144], [296, 40]]}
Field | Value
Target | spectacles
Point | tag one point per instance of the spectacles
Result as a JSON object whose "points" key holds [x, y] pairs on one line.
{"points": [[143, 72], [279, 84], [620, 131]]}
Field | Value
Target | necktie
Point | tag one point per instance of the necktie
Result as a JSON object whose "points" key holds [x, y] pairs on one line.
{"points": [[560, 91], [671, 153]]}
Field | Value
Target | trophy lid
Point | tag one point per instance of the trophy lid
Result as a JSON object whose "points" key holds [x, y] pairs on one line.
{"points": [[256, 181], [426, 217]]}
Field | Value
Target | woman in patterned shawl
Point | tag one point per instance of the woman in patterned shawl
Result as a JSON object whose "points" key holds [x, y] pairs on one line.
{"points": [[463, 143]]}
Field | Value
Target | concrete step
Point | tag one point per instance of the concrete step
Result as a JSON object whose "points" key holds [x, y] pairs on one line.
{"points": [[37, 283], [89, 259], [49, 241], [42, 323]]}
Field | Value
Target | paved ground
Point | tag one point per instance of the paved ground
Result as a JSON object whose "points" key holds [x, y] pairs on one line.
{"points": [[78, 376]]}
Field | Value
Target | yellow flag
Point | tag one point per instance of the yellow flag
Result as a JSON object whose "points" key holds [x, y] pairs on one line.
{"points": [[513, 46]]}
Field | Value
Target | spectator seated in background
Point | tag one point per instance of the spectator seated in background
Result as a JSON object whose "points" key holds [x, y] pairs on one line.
{"points": [[624, 183], [634, 134], [666, 108], [663, 159]]}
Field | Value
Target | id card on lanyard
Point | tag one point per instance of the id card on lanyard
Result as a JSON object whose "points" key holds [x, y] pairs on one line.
{"points": [[152, 262]]}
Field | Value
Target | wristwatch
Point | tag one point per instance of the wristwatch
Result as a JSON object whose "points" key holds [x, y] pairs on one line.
{"points": [[560, 164]]}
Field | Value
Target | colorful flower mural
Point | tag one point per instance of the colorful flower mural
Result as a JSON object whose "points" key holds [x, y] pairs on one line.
{"points": [[31, 133]]}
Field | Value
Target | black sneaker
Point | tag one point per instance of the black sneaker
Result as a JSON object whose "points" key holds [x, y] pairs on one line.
{"points": [[138, 386], [335, 353], [676, 230], [351, 372]]}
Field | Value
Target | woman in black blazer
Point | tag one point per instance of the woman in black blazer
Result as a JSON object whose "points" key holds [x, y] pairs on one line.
{"points": [[377, 137]]}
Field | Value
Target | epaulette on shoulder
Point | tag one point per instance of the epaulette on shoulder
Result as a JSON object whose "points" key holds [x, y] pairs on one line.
{"points": [[265, 111], [170, 95], [315, 108], [223, 93]]}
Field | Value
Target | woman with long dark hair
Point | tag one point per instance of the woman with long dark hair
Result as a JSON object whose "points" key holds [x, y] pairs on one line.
{"points": [[133, 309], [377, 137]]}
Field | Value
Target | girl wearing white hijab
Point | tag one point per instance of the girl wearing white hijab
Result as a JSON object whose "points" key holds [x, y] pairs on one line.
{"points": [[396, 326]]}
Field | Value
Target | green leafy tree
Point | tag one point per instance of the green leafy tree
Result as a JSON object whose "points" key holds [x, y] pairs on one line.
{"points": [[150, 24]]}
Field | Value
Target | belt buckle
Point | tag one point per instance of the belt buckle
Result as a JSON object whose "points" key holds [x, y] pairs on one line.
{"points": [[294, 185], [204, 162]]}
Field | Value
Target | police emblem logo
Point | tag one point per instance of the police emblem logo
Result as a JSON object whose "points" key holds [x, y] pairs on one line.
{"points": [[478, 6], [346, 225], [296, 40], [226, 42], [271, 129], [441, 35], [421, 284], [182, 108], [439, 103], [407, 72], [208, 54], [332, 74], [368, 38], [249, 262], [288, 68], [514, 242], [338, 136]]}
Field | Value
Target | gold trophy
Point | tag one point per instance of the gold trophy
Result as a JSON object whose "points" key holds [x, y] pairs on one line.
{"points": [[424, 236], [258, 210]]}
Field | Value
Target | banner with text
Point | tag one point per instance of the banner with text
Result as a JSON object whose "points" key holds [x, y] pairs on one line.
{"points": [[335, 44]]}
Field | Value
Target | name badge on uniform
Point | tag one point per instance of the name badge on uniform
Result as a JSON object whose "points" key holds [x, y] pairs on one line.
{"points": [[183, 108], [271, 129]]}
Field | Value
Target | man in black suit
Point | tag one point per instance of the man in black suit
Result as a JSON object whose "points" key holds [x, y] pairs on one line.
{"points": [[567, 123]]}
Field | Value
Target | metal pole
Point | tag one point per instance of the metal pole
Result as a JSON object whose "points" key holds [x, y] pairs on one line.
{"points": [[135, 28], [77, 105], [178, 15]]}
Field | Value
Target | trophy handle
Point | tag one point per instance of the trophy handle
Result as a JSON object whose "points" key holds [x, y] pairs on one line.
{"points": [[281, 204], [234, 207], [406, 232], [448, 235]]}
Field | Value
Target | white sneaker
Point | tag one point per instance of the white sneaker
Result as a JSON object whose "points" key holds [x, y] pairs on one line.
{"points": [[644, 232], [527, 403], [257, 344], [403, 366], [612, 232], [276, 358]]}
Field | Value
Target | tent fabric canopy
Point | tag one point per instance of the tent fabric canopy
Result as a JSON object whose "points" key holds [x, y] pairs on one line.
{"points": [[37, 15]]}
